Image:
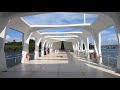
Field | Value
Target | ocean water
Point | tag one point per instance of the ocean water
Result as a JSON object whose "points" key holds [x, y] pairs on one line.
{"points": [[14, 58], [109, 57]]}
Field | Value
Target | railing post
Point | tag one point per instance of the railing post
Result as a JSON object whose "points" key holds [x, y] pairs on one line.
{"points": [[108, 60], [15, 60]]}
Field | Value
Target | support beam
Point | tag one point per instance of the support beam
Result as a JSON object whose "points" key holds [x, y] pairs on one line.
{"points": [[51, 49], [81, 45], [117, 28], [87, 48], [118, 60], [47, 45], [74, 47], [97, 45], [78, 48], [42, 49], [25, 51], [37, 42], [3, 65]]}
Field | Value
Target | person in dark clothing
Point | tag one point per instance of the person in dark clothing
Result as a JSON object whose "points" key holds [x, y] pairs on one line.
{"points": [[48, 50]]}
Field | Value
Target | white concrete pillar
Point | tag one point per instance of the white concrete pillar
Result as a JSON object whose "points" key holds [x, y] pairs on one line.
{"points": [[42, 49], [118, 60], [87, 48], [74, 47], [81, 46], [3, 65], [88, 54], [117, 27], [37, 42], [99, 48], [78, 45], [95, 48], [85, 45], [25, 43], [51, 49], [97, 45], [47, 46], [78, 48]]}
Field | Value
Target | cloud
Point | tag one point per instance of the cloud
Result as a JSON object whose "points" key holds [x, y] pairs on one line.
{"points": [[10, 39], [110, 39], [106, 32]]}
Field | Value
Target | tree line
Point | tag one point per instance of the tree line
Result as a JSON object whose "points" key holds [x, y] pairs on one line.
{"points": [[17, 46]]}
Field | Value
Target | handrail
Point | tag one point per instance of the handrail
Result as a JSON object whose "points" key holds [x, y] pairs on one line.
{"points": [[111, 61], [108, 60]]}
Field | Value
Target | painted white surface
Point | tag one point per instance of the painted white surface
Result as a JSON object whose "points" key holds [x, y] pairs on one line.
{"points": [[67, 45], [103, 21]]}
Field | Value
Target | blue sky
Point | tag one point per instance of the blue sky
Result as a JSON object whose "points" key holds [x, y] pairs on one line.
{"points": [[59, 18], [62, 18]]}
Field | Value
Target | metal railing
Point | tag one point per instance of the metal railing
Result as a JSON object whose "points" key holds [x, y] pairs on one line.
{"points": [[12, 61], [31, 56], [15, 60], [109, 61]]}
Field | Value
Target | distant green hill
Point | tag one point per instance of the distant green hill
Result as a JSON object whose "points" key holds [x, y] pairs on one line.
{"points": [[17, 46]]}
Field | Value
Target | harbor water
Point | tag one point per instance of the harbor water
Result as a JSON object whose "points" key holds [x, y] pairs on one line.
{"points": [[109, 57]]}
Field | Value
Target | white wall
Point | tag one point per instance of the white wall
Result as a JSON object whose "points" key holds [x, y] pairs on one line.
{"points": [[67, 45]]}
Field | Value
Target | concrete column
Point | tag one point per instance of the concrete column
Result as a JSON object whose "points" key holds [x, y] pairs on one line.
{"points": [[74, 47], [97, 44], [42, 49], [78, 48], [25, 42], [81, 46], [37, 42], [47, 46], [78, 45], [117, 27], [3, 65], [87, 48], [51, 49], [95, 48], [118, 60]]}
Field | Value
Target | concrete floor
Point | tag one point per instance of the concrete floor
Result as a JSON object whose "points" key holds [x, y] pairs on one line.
{"points": [[53, 66]]}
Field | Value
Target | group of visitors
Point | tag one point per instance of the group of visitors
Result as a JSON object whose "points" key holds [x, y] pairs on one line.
{"points": [[46, 51]]}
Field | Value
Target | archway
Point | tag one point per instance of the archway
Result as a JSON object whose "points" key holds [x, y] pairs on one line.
{"points": [[13, 47], [109, 47]]}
